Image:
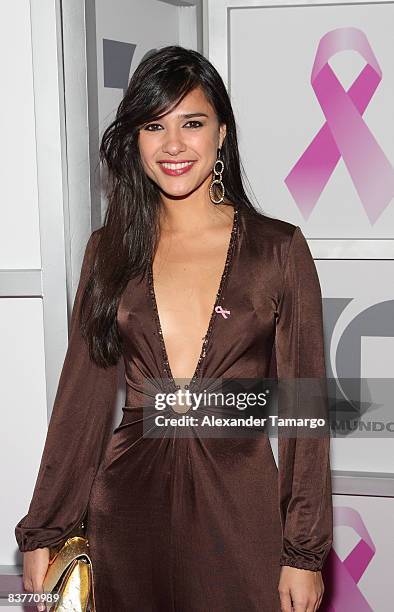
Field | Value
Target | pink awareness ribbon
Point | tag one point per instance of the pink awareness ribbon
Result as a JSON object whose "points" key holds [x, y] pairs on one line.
{"points": [[343, 576], [344, 134], [221, 311]]}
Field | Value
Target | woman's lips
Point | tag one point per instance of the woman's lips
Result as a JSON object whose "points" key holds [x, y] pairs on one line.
{"points": [[176, 171]]}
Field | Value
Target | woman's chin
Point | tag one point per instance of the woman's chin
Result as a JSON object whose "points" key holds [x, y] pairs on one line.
{"points": [[177, 192]]}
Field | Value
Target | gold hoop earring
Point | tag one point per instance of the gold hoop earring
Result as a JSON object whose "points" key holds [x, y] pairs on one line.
{"points": [[217, 181]]}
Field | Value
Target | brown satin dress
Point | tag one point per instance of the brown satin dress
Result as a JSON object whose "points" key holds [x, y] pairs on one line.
{"points": [[192, 524]]}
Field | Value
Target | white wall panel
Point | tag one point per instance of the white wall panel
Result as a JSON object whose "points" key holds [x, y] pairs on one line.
{"points": [[23, 411], [19, 227]]}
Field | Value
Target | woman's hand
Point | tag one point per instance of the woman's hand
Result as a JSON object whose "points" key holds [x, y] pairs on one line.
{"points": [[35, 565], [300, 590]]}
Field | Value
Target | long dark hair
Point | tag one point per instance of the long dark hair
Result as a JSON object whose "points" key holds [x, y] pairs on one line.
{"points": [[131, 229]]}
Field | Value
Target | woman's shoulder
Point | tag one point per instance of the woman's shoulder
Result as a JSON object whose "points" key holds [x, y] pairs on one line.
{"points": [[94, 239], [95, 235], [261, 226], [90, 249]]}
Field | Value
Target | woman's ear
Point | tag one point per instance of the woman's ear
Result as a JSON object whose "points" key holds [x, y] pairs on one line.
{"points": [[222, 134]]}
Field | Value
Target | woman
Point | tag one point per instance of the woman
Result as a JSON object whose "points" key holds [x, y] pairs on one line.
{"points": [[185, 285]]}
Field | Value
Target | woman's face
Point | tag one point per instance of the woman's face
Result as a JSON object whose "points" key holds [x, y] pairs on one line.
{"points": [[178, 152]]}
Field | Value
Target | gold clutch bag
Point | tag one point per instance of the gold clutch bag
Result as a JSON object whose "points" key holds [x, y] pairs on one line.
{"points": [[69, 577]]}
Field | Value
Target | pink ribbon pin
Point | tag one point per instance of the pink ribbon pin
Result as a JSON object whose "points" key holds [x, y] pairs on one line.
{"points": [[344, 134], [220, 310]]}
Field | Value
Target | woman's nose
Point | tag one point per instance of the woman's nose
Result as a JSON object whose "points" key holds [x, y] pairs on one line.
{"points": [[173, 143]]}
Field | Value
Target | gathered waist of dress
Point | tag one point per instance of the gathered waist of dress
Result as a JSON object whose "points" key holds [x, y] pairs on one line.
{"points": [[133, 413]]}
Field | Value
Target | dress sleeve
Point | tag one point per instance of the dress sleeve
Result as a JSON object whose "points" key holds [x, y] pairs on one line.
{"points": [[304, 473], [78, 430]]}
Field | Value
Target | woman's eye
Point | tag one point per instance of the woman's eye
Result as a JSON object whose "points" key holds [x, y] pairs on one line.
{"points": [[154, 125]]}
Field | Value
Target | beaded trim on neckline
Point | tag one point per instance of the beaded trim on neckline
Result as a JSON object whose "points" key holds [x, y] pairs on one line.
{"points": [[219, 296]]}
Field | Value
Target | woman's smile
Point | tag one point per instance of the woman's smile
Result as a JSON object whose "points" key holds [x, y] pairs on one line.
{"points": [[175, 168]]}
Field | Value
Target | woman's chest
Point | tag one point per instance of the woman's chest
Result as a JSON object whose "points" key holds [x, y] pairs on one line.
{"points": [[234, 301]]}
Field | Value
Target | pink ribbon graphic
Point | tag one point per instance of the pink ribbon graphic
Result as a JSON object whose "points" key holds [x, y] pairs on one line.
{"points": [[344, 134], [220, 310], [344, 575]]}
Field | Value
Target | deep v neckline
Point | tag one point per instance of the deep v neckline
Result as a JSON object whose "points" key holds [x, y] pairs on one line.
{"points": [[219, 295]]}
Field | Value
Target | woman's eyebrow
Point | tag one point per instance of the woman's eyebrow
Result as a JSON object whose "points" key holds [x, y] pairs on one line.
{"points": [[188, 115]]}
